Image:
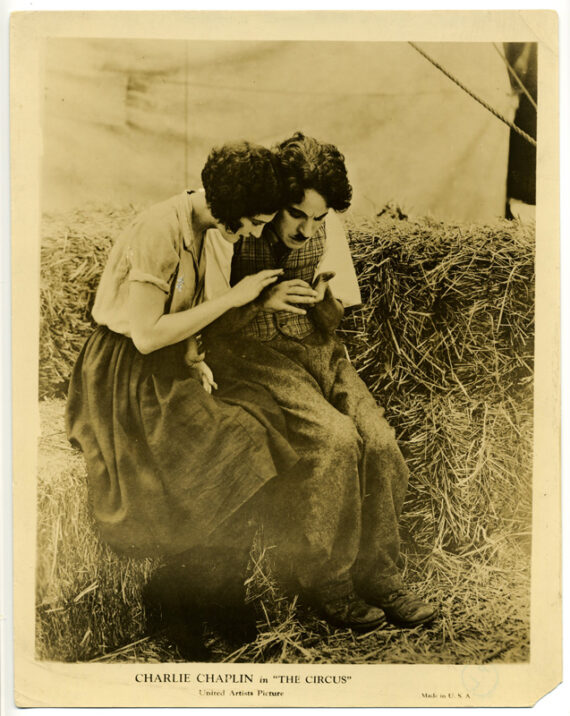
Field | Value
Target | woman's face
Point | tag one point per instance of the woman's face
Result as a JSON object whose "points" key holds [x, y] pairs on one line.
{"points": [[250, 226]]}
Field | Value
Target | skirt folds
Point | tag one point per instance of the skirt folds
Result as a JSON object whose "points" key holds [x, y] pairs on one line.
{"points": [[167, 463]]}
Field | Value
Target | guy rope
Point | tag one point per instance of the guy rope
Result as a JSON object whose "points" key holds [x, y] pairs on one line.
{"points": [[482, 102]]}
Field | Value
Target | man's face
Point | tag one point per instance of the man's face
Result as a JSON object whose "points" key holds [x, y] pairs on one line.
{"points": [[298, 222]]}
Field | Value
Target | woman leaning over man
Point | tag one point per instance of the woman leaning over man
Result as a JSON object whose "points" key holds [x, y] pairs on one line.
{"points": [[168, 463]]}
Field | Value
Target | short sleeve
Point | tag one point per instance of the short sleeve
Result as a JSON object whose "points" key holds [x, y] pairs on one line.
{"points": [[152, 247], [337, 258]]}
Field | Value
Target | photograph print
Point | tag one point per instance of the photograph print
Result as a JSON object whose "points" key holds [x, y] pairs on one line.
{"points": [[286, 356]]}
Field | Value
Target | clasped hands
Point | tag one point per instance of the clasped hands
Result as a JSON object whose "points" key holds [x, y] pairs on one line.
{"points": [[286, 295], [283, 296]]}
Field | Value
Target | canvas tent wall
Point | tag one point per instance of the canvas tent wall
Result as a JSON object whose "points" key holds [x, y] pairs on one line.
{"points": [[132, 121]]}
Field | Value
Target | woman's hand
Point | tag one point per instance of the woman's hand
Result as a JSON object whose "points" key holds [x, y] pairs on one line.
{"points": [[286, 294], [250, 287], [205, 376]]}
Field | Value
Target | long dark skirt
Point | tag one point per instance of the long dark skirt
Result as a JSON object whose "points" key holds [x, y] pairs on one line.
{"points": [[167, 463]]}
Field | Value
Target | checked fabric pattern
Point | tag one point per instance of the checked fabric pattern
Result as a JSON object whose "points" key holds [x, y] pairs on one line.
{"points": [[267, 252]]}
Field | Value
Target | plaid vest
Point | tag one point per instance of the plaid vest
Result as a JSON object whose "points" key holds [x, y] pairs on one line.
{"points": [[252, 255]]}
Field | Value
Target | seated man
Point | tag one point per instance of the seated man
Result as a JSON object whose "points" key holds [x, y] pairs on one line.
{"points": [[337, 515]]}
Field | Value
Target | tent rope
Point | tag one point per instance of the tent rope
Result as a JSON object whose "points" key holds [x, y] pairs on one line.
{"points": [[482, 102]]}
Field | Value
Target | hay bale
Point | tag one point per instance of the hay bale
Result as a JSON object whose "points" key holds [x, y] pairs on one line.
{"points": [[445, 307], [74, 249], [88, 599], [445, 340], [471, 470]]}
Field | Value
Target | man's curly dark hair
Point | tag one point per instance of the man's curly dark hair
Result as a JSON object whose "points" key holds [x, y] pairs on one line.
{"points": [[306, 163], [241, 179]]}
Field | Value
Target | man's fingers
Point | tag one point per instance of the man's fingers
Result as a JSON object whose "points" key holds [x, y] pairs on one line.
{"points": [[294, 309], [296, 283], [301, 291], [290, 309], [293, 298], [326, 275]]}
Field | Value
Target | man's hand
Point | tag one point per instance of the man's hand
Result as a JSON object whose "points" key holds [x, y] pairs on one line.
{"points": [[321, 282], [284, 296]]}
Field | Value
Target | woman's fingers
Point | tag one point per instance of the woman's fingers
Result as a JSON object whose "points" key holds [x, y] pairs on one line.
{"points": [[268, 280], [206, 376], [269, 273]]}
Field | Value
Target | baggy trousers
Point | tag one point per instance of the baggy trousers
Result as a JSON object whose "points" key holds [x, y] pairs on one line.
{"points": [[338, 510]]}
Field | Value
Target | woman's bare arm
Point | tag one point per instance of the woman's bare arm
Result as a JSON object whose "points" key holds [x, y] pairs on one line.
{"points": [[152, 329]]}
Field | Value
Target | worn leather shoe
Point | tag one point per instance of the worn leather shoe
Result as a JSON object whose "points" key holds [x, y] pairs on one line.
{"points": [[342, 607], [404, 608]]}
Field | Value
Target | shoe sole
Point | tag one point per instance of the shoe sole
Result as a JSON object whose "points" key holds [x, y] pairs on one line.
{"points": [[412, 624]]}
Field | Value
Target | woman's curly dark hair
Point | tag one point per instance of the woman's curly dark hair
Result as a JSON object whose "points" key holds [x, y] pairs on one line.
{"points": [[241, 179], [306, 163]]}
